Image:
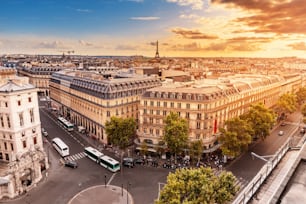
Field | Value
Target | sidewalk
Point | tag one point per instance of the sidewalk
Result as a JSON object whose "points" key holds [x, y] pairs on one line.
{"points": [[103, 195]]}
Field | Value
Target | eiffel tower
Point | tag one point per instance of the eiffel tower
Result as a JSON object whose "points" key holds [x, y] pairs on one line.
{"points": [[157, 53]]}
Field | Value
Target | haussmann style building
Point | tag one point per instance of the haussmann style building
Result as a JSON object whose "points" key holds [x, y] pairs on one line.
{"points": [[89, 99]]}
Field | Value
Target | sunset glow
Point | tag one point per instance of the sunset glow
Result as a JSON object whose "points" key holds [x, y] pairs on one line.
{"points": [[184, 28]]}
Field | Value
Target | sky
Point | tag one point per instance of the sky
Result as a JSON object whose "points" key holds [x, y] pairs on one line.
{"points": [[183, 28]]}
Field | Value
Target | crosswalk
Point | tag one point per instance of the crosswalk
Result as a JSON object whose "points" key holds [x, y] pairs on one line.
{"points": [[75, 157]]}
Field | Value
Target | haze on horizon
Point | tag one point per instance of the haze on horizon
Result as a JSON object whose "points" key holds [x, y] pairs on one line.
{"points": [[184, 28]]}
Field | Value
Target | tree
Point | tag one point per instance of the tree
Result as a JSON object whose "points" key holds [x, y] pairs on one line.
{"points": [[287, 103], [301, 95], [120, 131], [261, 120], [198, 186], [144, 148], [175, 133], [236, 137], [196, 150]]}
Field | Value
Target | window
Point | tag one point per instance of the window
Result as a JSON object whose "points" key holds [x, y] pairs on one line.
{"points": [[145, 103], [5, 146], [152, 103], [165, 104], [1, 156], [187, 114], [21, 122], [6, 105], [24, 143], [151, 120], [188, 105], [197, 136], [179, 105], [164, 113], [199, 116], [19, 103], [157, 132], [7, 157], [30, 99], [35, 140], [144, 111], [198, 125], [199, 106], [12, 147], [172, 105], [157, 112], [158, 103], [151, 131], [108, 114], [2, 121], [8, 121], [31, 115]]}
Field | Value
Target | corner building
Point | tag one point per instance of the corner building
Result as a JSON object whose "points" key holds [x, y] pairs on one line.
{"points": [[207, 104], [22, 157], [89, 99]]}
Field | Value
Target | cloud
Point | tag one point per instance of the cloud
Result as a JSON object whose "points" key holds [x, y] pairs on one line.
{"points": [[195, 4], [137, 1], [145, 18], [84, 43], [84, 10], [192, 34], [270, 16], [190, 16], [51, 45], [298, 46]]}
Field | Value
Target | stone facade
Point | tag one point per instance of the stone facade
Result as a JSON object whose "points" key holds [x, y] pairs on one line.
{"points": [[22, 157]]}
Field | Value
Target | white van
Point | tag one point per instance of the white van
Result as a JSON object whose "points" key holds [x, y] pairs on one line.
{"points": [[281, 133]]}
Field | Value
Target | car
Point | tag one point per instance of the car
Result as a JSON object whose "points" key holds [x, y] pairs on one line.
{"points": [[281, 133], [302, 131], [44, 132], [128, 162], [71, 164], [139, 161], [283, 124]]}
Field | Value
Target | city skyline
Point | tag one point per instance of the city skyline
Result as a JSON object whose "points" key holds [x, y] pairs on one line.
{"points": [[184, 28]]}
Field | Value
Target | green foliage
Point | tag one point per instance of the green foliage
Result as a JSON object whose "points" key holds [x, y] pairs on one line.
{"points": [[144, 148], [301, 95], [261, 120], [236, 137], [120, 131], [287, 103], [197, 186], [196, 150], [175, 133]]}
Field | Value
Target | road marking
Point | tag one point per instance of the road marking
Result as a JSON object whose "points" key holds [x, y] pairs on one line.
{"points": [[75, 157], [110, 180]]}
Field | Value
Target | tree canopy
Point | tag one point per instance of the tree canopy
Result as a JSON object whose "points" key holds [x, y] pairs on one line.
{"points": [[196, 150], [287, 103], [301, 95], [120, 131], [235, 137], [261, 120], [198, 186], [175, 133]]}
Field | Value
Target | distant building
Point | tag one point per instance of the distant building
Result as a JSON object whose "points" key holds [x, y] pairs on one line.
{"points": [[207, 104], [89, 99], [22, 157]]}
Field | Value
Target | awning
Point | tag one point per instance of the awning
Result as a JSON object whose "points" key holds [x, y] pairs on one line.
{"points": [[148, 149]]}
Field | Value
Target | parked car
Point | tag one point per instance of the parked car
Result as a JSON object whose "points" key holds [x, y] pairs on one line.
{"points": [[71, 164], [44, 132], [139, 161], [283, 124], [281, 133], [128, 162], [302, 131]]}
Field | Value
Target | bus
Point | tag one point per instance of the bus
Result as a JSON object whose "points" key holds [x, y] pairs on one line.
{"points": [[110, 163], [93, 154], [60, 147], [67, 125], [104, 160]]}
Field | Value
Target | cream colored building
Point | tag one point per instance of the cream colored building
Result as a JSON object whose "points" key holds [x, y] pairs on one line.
{"points": [[207, 104], [89, 99], [22, 157]]}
